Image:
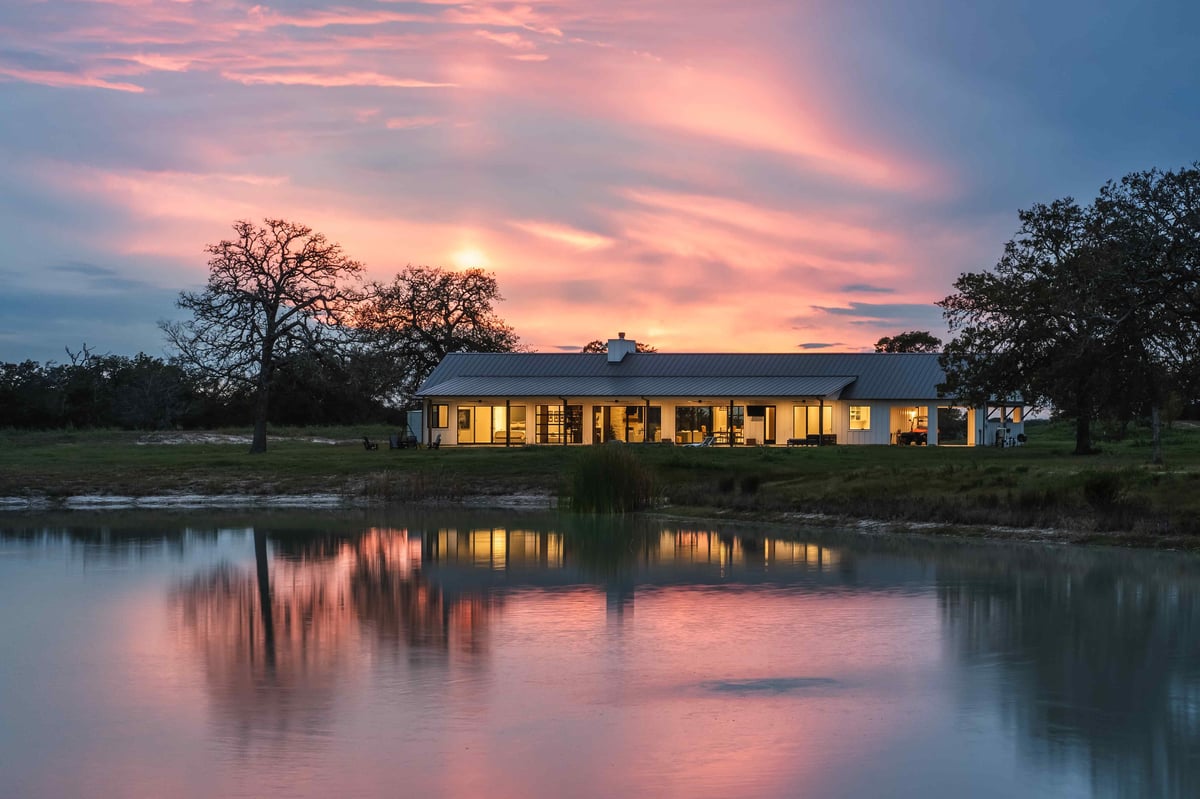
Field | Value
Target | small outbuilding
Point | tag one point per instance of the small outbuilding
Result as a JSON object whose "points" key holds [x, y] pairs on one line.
{"points": [[709, 399]]}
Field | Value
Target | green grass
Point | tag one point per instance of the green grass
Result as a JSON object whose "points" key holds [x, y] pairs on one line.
{"points": [[1115, 495]]}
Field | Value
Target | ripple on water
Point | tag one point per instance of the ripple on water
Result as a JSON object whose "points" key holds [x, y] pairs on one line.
{"points": [[767, 685]]}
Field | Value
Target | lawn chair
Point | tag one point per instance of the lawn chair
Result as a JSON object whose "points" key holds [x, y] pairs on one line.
{"points": [[437, 442], [707, 442], [368, 444]]}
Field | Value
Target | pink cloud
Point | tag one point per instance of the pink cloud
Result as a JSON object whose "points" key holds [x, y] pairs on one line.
{"points": [[326, 80], [66, 80], [572, 237], [409, 123], [513, 40]]}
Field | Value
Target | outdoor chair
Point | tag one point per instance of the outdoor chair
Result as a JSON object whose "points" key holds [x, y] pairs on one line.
{"points": [[437, 442], [707, 442], [368, 444]]}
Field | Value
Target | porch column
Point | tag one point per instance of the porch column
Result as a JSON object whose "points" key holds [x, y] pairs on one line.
{"points": [[507, 422], [931, 435]]}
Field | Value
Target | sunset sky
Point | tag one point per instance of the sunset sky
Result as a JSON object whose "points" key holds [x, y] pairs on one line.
{"points": [[706, 175]]}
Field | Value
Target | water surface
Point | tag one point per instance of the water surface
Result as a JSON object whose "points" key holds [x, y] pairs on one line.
{"points": [[476, 654]]}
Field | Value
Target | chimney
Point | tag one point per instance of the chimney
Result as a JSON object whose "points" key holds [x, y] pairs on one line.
{"points": [[619, 347]]}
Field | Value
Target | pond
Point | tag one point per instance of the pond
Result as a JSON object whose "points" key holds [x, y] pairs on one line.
{"points": [[472, 653]]}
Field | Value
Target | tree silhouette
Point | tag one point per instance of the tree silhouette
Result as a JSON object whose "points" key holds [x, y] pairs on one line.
{"points": [[272, 291]]}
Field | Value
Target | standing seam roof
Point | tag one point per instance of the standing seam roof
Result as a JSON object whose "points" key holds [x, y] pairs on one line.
{"points": [[866, 375]]}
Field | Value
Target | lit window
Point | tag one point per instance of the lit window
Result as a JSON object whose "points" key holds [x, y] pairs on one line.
{"points": [[860, 417], [439, 416]]}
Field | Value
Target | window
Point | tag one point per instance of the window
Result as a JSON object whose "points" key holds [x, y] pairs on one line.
{"points": [[860, 417], [809, 420], [729, 426], [491, 424], [826, 414], [516, 424], [554, 422], [508, 424], [439, 415], [692, 423]]}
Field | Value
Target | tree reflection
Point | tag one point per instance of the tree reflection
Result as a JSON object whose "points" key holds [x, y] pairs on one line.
{"points": [[272, 642], [393, 596], [277, 641], [1097, 657]]}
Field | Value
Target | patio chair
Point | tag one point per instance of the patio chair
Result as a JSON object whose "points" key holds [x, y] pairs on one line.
{"points": [[368, 444], [437, 442], [707, 442]]}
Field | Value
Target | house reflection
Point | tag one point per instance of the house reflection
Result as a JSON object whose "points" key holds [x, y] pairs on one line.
{"points": [[281, 639]]}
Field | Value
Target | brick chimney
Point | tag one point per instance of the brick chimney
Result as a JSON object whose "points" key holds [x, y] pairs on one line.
{"points": [[619, 347]]}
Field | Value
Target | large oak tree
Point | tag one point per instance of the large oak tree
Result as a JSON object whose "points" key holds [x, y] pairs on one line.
{"points": [[426, 313], [1043, 324], [273, 291], [1153, 219], [1092, 310]]}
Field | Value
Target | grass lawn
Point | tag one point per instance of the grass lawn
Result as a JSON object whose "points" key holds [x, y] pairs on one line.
{"points": [[1038, 485]]}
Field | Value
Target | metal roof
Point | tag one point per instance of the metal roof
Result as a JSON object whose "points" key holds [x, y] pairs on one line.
{"points": [[632, 388], [833, 375]]}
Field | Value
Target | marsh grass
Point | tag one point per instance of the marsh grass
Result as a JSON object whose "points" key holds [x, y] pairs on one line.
{"points": [[415, 485], [611, 479]]}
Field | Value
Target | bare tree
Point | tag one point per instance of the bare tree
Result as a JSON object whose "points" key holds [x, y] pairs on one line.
{"points": [[272, 291], [424, 314]]}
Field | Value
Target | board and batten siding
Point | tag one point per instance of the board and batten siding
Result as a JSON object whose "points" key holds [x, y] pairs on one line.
{"points": [[886, 416]]}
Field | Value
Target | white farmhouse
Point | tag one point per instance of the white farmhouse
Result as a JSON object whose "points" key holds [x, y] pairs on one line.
{"points": [[711, 399]]}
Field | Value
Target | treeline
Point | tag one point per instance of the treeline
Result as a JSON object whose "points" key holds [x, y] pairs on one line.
{"points": [[145, 392]]}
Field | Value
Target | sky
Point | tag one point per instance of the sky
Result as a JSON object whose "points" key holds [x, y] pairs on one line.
{"points": [[704, 175]]}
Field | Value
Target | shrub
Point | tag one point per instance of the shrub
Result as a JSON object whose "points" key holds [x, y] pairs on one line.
{"points": [[1103, 490], [611, 479], [750, 483]]}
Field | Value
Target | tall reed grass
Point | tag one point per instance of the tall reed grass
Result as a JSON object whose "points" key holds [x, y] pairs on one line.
{"points": [[611, 479]]}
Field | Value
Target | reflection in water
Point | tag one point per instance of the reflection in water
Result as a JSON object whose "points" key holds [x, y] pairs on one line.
{"points": [[397, 649], [1093, 657], [271, 642], [393, 596]]}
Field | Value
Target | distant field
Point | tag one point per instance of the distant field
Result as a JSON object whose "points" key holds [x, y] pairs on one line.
{"points": [[1115, 495]]}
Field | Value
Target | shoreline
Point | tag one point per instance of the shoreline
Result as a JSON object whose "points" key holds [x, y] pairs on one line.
{"points": [[546, 502], [1038, 493]]}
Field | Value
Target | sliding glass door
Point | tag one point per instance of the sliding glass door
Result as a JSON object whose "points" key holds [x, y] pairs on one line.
{"points": [[491, 424]]}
